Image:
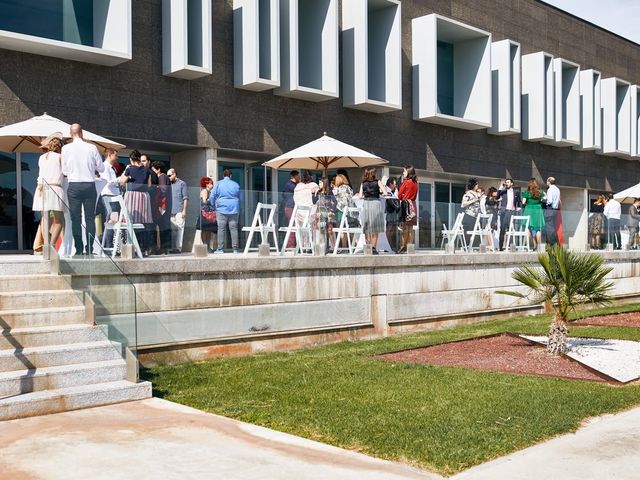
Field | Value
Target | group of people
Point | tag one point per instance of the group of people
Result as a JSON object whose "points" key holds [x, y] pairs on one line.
{"points": [[74, 175], [605, 220], [504, 202], [333, 203]]}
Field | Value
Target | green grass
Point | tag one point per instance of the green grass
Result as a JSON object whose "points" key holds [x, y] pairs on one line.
{"points": [[441, 418]]}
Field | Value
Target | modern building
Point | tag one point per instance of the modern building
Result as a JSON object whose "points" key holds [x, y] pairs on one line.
{"points": [[489, 89]]}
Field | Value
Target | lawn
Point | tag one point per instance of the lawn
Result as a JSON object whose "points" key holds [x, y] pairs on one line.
{"points": [[445, 419]]}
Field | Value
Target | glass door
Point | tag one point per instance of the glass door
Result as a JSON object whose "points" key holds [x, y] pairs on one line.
{"points": [[425, 234], [8, 203]]}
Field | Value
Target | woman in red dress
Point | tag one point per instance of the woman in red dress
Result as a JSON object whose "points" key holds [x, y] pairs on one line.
{"points": [[407, 193]]}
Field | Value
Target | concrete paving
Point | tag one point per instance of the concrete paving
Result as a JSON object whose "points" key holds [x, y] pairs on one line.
{"points": [[607, 447], [159, 439]]}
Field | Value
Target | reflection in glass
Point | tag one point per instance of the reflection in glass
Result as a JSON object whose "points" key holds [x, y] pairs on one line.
{"points": [[29, 181], [66, 20], [8, 203]]}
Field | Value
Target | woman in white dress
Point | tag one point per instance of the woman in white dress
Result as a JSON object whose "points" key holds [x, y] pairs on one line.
{"points": [[50, 197]]}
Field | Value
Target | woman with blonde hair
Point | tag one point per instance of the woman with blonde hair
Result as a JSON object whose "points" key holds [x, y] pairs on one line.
{"points": [[50, 197]]}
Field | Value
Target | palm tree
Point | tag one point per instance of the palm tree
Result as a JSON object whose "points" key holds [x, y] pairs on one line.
{"points": [[565, 280]]}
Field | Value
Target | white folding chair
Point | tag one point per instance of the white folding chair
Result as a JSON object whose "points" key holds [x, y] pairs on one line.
{"points": [[263, 228], [123, 227], [481, 228], [518, 233], [300, 224], [454, 234], [353, 233]]}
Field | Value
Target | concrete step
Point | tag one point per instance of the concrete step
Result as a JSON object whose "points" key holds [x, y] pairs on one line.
{"points": [[24, 265], [53, 335], [51, 356], [40, 299], [72, 398], [19, 382], [20, 283], [41, 317]]}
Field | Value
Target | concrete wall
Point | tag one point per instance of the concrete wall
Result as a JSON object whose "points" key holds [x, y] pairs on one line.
{"points": [[203, 305], [134, 100]]}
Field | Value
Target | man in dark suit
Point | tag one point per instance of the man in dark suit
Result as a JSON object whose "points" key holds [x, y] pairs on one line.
{"points": [[510, 201]]}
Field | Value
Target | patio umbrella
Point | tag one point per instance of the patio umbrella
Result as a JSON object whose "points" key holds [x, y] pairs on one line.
{"points": [[628, 195], [25, 136], [325, 153]]}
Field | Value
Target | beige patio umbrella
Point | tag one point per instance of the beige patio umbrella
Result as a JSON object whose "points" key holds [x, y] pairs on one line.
{"points": [[325, 153], [26, 136], [628, 195]]}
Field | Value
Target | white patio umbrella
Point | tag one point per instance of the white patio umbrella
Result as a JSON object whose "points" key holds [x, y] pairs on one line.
{"points": [[628, 195], [26, 136], [325, 153]]}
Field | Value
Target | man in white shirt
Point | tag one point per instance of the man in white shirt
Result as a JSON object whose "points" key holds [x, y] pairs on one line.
{"points": [[612, 211], [80, 161], [552, 200], [110, 190]]}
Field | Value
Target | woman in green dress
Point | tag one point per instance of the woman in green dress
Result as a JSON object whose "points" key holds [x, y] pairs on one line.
{"points": [[532, 201]]}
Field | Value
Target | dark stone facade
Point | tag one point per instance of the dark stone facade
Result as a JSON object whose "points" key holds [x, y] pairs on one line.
{"points": [[134, 100]]}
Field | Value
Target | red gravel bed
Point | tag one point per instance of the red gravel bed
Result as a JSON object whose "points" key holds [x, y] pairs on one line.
{"points": [[502, 353], [631, 319]]}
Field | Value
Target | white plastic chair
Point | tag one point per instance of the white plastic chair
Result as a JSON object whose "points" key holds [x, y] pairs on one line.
{"points": [[352, 232], [122, 226], [482, 229], [454, 234], [300, 224], [263, 228], [518, 233]]}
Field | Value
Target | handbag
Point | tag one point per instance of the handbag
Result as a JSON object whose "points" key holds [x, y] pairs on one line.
{"points": [[408, 211], [208, 214]]}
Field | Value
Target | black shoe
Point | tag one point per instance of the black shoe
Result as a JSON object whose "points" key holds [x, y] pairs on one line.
{"points": [[175, 250], [374, 251]]}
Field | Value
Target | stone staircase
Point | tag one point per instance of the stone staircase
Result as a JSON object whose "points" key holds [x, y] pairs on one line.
{"points": [[52, 357]]}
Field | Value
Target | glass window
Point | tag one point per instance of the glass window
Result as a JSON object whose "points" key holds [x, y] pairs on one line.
{"points": [[30, 219], [8, 202], [65, 20], [237, 172], [424, 215], [445, 78]]}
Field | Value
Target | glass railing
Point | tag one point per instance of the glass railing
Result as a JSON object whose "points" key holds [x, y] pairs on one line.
{"points": [[425, 231], [101, 284], [162, 225]]}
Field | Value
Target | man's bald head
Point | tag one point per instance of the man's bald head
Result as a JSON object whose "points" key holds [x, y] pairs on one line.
{"points": [[76, 131]]}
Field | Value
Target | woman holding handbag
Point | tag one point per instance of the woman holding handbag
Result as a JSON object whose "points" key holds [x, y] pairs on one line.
{"points": [[207, 221], [407, 194]]}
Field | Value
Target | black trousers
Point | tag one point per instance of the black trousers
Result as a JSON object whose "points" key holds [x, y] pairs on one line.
{"points": [[505, 220], [551, 229], [164, 226], [468, 222], [82, 195]]}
